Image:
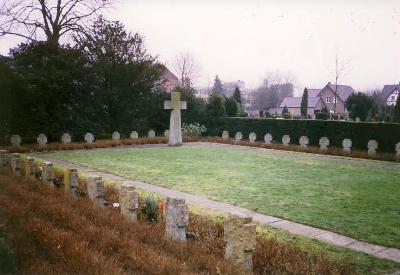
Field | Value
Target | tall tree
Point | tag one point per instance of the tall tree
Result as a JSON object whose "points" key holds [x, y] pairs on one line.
{"points": [[232, 107], [41, 19], [359, 105], [216, 113], [340, 70], [218, 87], [237, 96], [304, 103], [186, 66]]}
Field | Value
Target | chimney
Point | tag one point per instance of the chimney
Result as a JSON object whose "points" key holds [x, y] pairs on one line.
{"points": [[329, 83]]}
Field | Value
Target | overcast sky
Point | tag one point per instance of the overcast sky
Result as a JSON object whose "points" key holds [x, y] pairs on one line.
{"points": [[243, 40]]}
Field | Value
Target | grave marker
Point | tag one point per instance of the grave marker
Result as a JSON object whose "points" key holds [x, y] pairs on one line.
{"points": [[252, 137], [397, 149], [3, 160], [238, 136], [89, 138], [347, 143], [286, 140], [129, 201], [134, 135], [15, 162], [151, 134], [30, 168], [116, 135], [176, 105], [66, 138], [225, 135], [240, 238], [372, 146], [303, 141], [42, 139], [268, 138], [176, 219], [71, 180], [15, 140], [323, 143], [48, 175], [95, 189], [166, 133]]}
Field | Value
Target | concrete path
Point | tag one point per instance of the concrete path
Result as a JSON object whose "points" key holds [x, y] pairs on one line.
{"points": [[296, 228]]}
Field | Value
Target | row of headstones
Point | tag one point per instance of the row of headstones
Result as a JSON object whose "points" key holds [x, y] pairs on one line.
{"points": [[304, 141], [239, 232], [89, 137]]}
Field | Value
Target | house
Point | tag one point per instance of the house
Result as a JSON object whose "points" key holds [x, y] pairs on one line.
{"points": [[229, 87], [293, 104], [331, 97], [169, 80], [390, 93]]}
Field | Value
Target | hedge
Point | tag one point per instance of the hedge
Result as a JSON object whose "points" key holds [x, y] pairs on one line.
{"points": [[387, 134]]}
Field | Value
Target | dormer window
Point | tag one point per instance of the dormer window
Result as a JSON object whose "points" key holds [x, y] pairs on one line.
{"points": [[392, 98], [328, 99]]}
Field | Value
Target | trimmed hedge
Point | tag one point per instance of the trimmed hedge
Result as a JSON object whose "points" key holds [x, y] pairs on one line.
{"points": [[387, 134]]}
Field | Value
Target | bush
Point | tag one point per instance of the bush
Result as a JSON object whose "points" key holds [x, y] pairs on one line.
{"points": [[150, 209], [194, 129], [7, 262], [387, 134], [321, 115], [287, 116]]}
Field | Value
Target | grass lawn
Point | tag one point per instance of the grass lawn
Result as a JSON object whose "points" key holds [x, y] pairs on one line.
{"points": [[357, 201]]}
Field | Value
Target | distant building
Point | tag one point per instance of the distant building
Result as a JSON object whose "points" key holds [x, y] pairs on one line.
{"points": [[319, 98], [169, 80], [390, 93]]}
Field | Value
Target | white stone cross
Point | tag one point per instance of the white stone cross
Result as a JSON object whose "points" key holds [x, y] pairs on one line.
{"points": [[116, 135], [303, 141], [267, 138], [347, 144], [323, 143], [15, 140], [66, 138], [397, 149], [252, 137], [151, 133], [372, 146], [286, 140], [225, 135], [175, 130], [134, 135], [89, 137], [42, 139], [238, 136]]}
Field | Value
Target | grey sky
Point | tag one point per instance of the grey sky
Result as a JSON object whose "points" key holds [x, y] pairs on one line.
{"points": [[246, 39]]}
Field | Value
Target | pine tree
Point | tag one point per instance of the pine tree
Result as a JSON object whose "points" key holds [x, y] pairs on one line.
{"points": [[304, 103], [232, 107], [237, 96], [218, 88]]}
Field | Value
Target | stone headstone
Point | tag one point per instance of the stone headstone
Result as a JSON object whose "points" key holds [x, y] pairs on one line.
{"points": [[286, 140], [151, 134], [30, 168], [323, 143], [347, 144], [15, 140], [89, 138], [397, 149], [303, 141], [95, 189], [252, 137], [71, 180], [166, 133], [176, 219], [48, 174], [225, 135], [238, 136], [15, 162], [129, 201], [240, 238], [42, 139], [372, 146], [134, 135], [175, 127], [116, 135], [268, 138], [66, 138]]}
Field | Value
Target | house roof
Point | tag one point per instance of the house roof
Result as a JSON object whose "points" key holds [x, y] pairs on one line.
{"points": [[388, 89], [295, 102], [167, 74], [313, 92], [344, 91]]}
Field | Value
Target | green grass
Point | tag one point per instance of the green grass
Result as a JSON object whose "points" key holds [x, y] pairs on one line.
{"points": [[354, 200]]}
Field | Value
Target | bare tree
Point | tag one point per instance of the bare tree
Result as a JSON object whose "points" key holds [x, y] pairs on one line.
{"points": [[341, 67], [187, 68], [31, 19]]}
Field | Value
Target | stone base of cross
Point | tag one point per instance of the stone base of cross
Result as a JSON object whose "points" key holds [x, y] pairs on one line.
{"points": [[175, 130]]}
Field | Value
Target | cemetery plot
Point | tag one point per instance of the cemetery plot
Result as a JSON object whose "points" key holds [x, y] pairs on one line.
{"points": [[351, 199]]}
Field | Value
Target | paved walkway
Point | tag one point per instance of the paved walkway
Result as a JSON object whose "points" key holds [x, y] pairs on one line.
{"points": [[296, 228]]}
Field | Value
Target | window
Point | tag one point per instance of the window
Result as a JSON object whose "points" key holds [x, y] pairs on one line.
{"points": [[334, 99], [392, 98], [328, 99]]}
